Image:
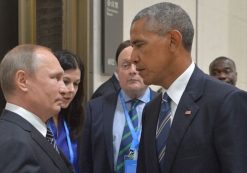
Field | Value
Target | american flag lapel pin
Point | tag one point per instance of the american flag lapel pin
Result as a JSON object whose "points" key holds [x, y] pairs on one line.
{"points": [[188, 113]]}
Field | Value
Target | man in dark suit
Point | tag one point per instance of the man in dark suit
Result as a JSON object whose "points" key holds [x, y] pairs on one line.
{"points": [[106, 120], [32, 83], [204, 121], [111, 85]]}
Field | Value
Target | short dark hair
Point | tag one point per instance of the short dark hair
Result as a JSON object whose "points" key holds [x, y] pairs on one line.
{"points": [[224, 58], [168, 16], [121, 47]]}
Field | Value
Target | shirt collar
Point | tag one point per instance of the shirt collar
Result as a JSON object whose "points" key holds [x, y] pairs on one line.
{"points": [[175, 91], [28, 116], [144, 98]]}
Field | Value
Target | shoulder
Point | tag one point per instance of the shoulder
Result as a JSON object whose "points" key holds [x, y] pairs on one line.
{"points": [[109, 98]]}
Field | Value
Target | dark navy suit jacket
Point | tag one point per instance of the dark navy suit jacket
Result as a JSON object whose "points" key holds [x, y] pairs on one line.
{"points": [[111, 85], [208, 133], [97, 143], [23, 148]]}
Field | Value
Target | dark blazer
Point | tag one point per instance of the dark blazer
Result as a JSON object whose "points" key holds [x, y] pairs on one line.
{"points": [[208, 133], [97, 146], [111, 85], [24, 149]]}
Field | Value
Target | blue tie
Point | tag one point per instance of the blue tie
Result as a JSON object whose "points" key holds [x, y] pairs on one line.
{"points": [[127, 137], [163, 127]]}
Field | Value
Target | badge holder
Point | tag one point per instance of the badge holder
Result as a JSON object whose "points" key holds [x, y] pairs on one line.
{"points": [[130, 163]]}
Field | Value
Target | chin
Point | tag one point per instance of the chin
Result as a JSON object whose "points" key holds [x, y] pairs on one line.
{"points": [[64, 106], [147, 82]]}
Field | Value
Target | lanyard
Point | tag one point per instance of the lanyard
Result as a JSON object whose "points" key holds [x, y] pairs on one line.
{"points": [[71, 153], [135, 134]]}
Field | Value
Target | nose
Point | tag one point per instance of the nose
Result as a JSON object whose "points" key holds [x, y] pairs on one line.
{"points": [[133, 69], [222, 76], [62, 88], [134, 57], [71, 87]]}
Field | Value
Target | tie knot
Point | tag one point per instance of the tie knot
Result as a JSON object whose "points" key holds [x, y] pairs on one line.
{"points": [[134, 103], [166, 98], [49, 134]]}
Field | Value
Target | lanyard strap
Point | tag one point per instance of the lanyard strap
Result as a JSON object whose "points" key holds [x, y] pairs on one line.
{"points": [[53, 128], [71, 153], [135, 134]]}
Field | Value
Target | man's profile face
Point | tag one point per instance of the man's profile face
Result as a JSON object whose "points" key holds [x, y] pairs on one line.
{"points": [[224, 70], [46, 85]]}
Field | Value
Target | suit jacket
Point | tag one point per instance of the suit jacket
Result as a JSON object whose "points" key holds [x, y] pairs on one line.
{"points": [[24, 149], [208, 132], [111, 85], [97, 146]]}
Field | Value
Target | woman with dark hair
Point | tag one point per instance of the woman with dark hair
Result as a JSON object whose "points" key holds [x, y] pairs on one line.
{"points": [[67, 125]]}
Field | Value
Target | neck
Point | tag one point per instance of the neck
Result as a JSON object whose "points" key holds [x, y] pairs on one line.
{"points": [[135, 94], [55, 119]]}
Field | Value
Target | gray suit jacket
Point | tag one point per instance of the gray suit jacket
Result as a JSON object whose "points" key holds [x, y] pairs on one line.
{"points": [[208, 132], [23, 149]]}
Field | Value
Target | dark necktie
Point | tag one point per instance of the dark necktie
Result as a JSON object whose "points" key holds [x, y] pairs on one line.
{"points": [[50, 138], [163, 127], [127, 137]]}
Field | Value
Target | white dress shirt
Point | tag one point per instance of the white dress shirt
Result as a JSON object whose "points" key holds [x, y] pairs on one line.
{"points": [[28, 116], [119, 120], [176, 90]]}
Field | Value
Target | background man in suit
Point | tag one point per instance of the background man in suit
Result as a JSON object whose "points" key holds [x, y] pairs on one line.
{"points": [[112, 84], [204, 120], [106, 119], [32, 82], [224, 69]]}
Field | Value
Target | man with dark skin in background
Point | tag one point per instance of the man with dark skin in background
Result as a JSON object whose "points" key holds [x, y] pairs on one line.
{"points": [[224, 69]]}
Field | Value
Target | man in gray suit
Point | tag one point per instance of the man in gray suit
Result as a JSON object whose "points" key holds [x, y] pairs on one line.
{"points": [[32, 83]]}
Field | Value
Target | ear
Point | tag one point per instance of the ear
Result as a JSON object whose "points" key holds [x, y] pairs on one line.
{"points": [[175, 40], [21, 80], [117, 70]]}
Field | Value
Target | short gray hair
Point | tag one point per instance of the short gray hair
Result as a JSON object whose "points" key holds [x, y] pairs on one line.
{"points": [[167, 16], [21, 57]]}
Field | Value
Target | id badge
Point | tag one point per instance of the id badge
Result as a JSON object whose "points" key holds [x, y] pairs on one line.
{"points": [[130, 166]]}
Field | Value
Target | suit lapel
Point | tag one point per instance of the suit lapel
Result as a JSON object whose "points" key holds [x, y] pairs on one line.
{"points": [[38, 138], [108, 111], [50, 151], [186, 111], [151, 119]]}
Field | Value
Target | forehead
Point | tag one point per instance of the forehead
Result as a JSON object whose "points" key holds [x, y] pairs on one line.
{"points": [[223, 63], [47, 61], [137, 27], [125, 55], [143, 30]]}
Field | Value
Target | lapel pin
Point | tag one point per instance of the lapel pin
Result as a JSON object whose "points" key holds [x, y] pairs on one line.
{"points": [[188, 113]]}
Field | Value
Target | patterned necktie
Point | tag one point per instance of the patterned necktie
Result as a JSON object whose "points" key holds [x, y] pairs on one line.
{"points": [[50, 138], [127, 137], [163, 127]]}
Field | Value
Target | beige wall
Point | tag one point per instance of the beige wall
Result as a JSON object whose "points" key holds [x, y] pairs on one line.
{"points": [[221, 28]]}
